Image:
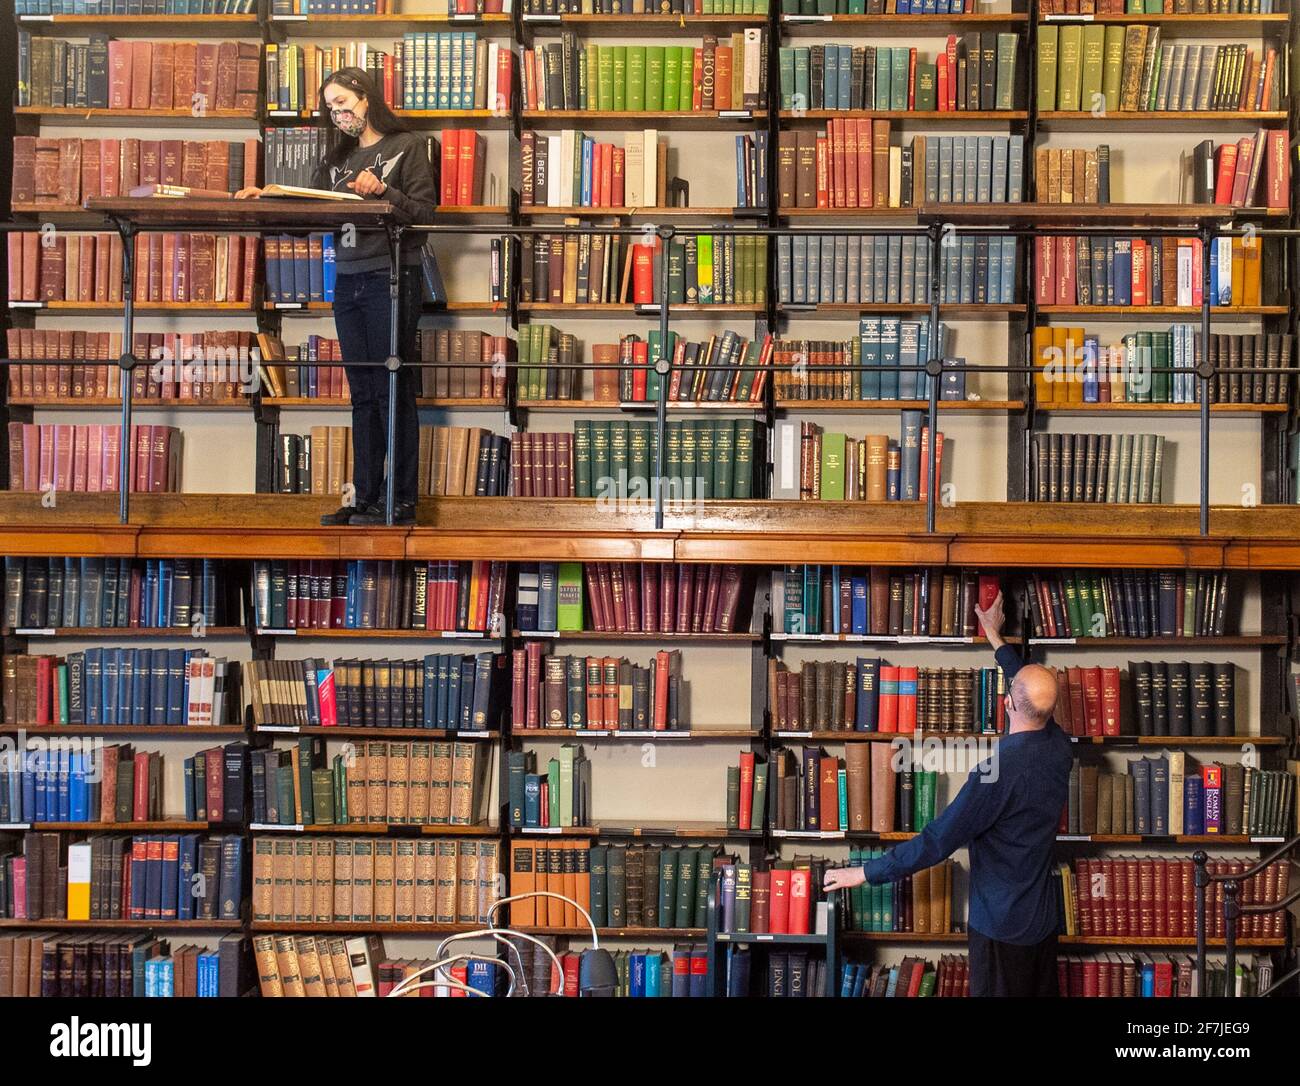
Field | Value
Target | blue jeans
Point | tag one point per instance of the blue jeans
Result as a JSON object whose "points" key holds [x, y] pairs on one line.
{"points": [[362, 318]]}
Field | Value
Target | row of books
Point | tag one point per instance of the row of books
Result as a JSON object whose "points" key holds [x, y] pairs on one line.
{"points": [[115, 966], [108, 73], [292, 153], [468, 460], [138, 7], [315, 463], [599, 693], [368, 594], [450, 348], [1171, 794], [111, 877], [464, 162], [878, 600], [137, 686], [1157, 975], [633, 886], [871, 695], [874, 7], [921, 902], [1137, 272], [570, 169], [648, 7], [300, 269], [542, 466], [444, 690], [66, 784], [1123, 468], [63, 172], [359, 880], [976, 71], [1126, 603], [813, 792], [374, 783], [913, 976], [298, 966], [1074, 175], [559, 795], [1127, 68], [882, 363], [204, 366], [1073, 366], [1157, 7], [85, 458], [575, 75], [568, 268], [1154, 896], [168, 268], [834, 467], [1231, 173], [1178, 697], [630, 597], [121, 592]]}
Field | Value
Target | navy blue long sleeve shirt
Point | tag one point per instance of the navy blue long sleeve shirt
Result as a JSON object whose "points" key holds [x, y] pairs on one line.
{"points": [[1009, 823]]}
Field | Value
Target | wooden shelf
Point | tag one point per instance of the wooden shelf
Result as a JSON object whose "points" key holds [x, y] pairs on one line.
{"points": [[349, 633], [483, 118], [366, 927], [497, 308], [1164, 941], [896, 405], [1244, 641], [1155, 312], [631, 635], [669, 829], [83, 403], [144, 307], [165, 826], [124, 925], [378, 829], [619, 933], [621, 309], [906, 24], [130, 633], [903, 936], [1182, 740], [1160, 120], [340, 731], [155, 26], [640, 405], [1169, 839], [1203, 25], [598, 118], [1068, 409], [590, 25], [848, 310], [122, 731], [354, 26], [919, 116], [670, 213], [186, 116], [474, 211], [634, 735], [1138, 214]]}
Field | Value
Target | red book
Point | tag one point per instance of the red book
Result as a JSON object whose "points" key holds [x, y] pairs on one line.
{"points": [[865, 195], [1226, 173], [505, 71], [661, 703], [1139, 280], [952, 72], [650, 597], [44, 671], [823, 161], [1241, 176], [643, 285], [835, 140], [906, 699], [1109, 701], [989, 587], [617, 174], [1045, 270], [1277, 170], [888, 708], [1092, 699], [779, 905], [1065, 269], [470, 168], [746, 788], [640, 368], [450, 159], [911, 78], [942, 78], [799, 903], [924, 492], [697, 100]]}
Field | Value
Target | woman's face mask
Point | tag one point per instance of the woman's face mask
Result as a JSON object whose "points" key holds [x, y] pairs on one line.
{"points": [[348, 121]]}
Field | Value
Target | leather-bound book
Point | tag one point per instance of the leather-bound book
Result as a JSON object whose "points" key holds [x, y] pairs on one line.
{"points": [[882, 788]]}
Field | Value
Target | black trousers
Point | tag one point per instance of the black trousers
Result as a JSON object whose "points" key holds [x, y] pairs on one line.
{"points": [[363, 320], [1005, 969]]}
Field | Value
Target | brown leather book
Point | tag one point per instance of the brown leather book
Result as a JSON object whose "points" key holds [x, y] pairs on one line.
{"points": [[268, 967], [829, 801], [857, 758], [882, 788], [880, 163], [309, 966], [303, 873], [286, 955], [323, 881], [921, 899], [806, 168]]}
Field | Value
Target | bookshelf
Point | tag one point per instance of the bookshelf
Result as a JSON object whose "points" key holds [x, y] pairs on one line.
{"points": [[983, 533]]}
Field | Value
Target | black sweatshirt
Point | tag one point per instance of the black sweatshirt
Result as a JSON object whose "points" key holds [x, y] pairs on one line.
{"points": [[402, 161]]}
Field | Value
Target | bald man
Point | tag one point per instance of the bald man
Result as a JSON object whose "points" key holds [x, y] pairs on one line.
{"points": [[1008, 820]]}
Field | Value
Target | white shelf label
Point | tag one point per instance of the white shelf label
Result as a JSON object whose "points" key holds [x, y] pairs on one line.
{"points": [[478, 734], [459, 635], [736, 114], [275, 827], [34, 631], [278, 728], [273, 631], [794, 735], [1074, 837], [542, 829], [15, 825], [288, 18], [26, 305], [806, 18]]}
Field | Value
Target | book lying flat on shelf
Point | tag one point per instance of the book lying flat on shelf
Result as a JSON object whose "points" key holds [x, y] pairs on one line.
{"points": [[300, 191], [174, 191]]}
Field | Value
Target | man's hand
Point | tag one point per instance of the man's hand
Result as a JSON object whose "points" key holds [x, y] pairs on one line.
{"points": [[367, 184], [252, 192], [843, 878], [991, 621]]}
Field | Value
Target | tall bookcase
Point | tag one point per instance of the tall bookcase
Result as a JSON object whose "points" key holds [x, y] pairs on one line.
{"points": [[669, 788]]}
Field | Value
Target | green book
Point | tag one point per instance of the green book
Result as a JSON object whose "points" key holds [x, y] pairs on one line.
{"points": [[599, 884], [800, 90], [724, 447], [686, 470], [568, 595], [304, 782], [1094, 52], [284, 787], [521, 374], [676, 271], [928, 980], [668, 886], [322, 797], [743, 475], [1004, 86], [636, 78], [686, 88], [654, 77], [672, 77], [600, 485], [1112, 76], [582, 458], [703, 877], [673, 457], [833, 446], [605, 78], [733, 797], [1048, 39], [588, 73], [884, 69], [927, 82], [620, 77], [744, 893], [898, 77], [703, 457], [785, 65], [758, 815], [553, 792], [1073, 618], [618, 455], [576, 170], [638, 477], [704, 267], [568, 808], [760, 271], [1069, 67], [61, 678], [685, 910], [616, 886]]}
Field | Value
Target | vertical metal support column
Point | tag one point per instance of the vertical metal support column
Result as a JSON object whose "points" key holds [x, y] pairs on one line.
{"points": [[1231, 910], [393, 362], [1202, 882], [933, 369], [1204, 372], [126, 365], [663, 367]]}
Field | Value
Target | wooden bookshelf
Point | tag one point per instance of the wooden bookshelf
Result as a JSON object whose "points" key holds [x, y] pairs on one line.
{"points": [[898, 405], [123, 925], [908, 24], [346, 732], [377, 829], [597, 118], [155, 26], [352, 26], [628, 25], [85, 403], [1157, 121], [202, 733], [665, 213], [698, 735], [915, 116], [1203, 25], [1162, 408]]}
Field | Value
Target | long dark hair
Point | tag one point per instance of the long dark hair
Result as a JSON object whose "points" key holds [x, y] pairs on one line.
{"points": [[382, 119]]}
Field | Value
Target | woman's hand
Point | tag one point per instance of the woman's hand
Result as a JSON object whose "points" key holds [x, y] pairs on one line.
{"points": [[252, 192], [843, 878], [367, 184]]}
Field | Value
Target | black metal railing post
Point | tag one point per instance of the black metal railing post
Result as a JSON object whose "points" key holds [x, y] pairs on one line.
{"points": [[126, 362], [1202, 883], [393, 362]]}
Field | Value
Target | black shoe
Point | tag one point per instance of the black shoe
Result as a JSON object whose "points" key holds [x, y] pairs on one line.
{"points": [[342, 515], [403, 513]]}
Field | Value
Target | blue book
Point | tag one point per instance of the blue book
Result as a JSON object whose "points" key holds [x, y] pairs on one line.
{"points": [[175, 686], [187, 864], [157, 664], [189, 789], [166, 581], [1148, 980], [547, 575], [868, 698], [585, 192], [1160, 795], [699, 984], [846, 980], [1122, 271], [30, 795], [909, 333], [149, 600], [636, 975], [889, 346], [168, 876], [653, 974], [831, 79], [1091, 390], [429, 692], [465, 714], [328, 272], [533, 800], [94, 695], [114, 700], [681, 985], [858, 604], [40, 771], [738, 964], [869, 376], [443, 714], [482, 977], [526, 597], [77, 788], [1193, 805]]}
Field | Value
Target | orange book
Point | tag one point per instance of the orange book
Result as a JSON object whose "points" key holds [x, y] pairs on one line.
{"points": [[722, 59], [569, 880]]}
